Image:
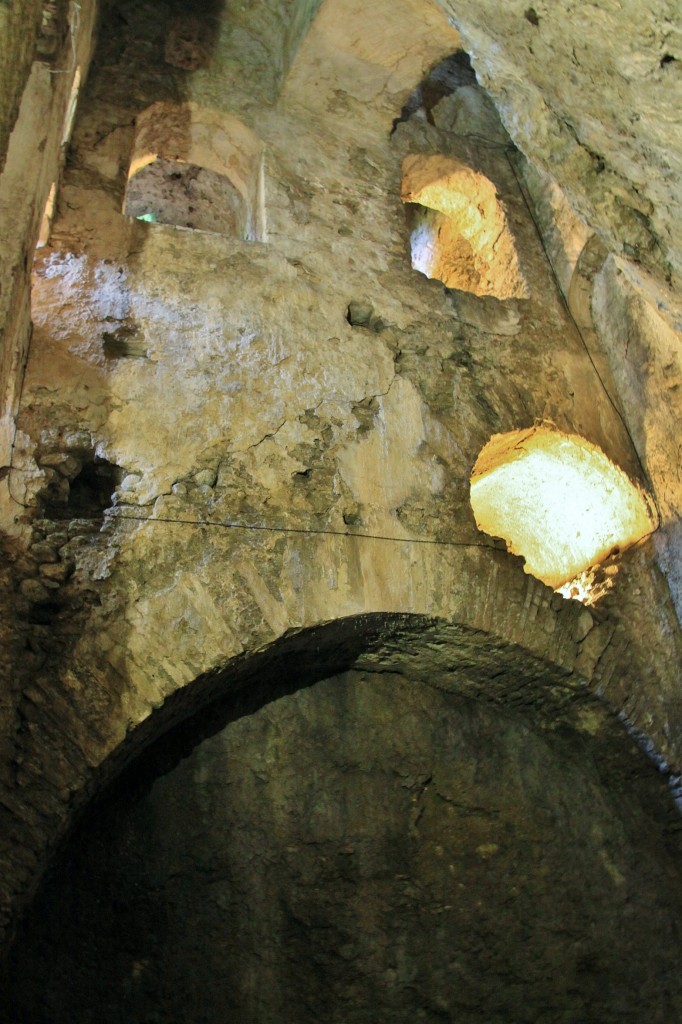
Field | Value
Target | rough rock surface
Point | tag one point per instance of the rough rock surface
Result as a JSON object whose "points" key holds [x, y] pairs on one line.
{"points": [[592, 94], [232, 453]]}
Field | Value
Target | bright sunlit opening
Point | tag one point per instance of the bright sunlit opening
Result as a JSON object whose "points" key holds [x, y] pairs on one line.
{"points": [[459, 231], [560, 503]]}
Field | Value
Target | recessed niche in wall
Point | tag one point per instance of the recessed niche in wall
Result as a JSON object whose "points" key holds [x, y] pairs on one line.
{"points": [[77, 483], [196, 168], [458, 228], [92, 490], [559, 502]]}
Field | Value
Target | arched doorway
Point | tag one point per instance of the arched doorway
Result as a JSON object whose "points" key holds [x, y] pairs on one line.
{"points": [[383, 818]]}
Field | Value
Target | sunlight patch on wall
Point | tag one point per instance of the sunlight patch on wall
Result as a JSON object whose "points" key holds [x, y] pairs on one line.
{"points": [[48, 216], [70, 114], [560, 503], [458, 232]]}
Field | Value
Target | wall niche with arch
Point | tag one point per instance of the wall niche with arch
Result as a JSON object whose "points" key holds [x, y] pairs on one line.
{"points": [[454, 159], [458, 228], [196, 168]]}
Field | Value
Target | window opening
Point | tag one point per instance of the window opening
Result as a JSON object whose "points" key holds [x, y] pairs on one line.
{"points": [[560, 503], [458, 228], [196, 168]]}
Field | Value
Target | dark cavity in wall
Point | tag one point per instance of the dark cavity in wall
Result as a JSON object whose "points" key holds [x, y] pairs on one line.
{"points": [[78, 484], [361, 314], [442, 80], [92, 490]]}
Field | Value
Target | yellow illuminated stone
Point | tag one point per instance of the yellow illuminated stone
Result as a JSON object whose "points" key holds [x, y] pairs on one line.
{"points": [[557, 501], [459, 231]]}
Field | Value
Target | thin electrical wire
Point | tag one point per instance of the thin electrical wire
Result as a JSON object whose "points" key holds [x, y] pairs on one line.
{"points": [[262, 528], [227, 525]]}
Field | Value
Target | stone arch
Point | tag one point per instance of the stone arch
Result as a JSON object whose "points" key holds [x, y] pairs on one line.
{"points": [[117, 691], [472, 663], [559, 502], [358, 603], [196, 168], [401, 650], [459, 232]]}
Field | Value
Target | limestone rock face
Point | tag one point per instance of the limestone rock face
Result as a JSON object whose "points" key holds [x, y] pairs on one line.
{"points": [[592, 94]]}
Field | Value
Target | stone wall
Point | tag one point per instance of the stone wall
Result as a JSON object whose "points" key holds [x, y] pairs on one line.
{"points": [[226, 446], [19, 27], [51, 63]]}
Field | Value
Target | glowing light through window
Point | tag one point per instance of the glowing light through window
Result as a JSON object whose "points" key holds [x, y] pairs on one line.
{"points": [[559, 502], [459, 231]]}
